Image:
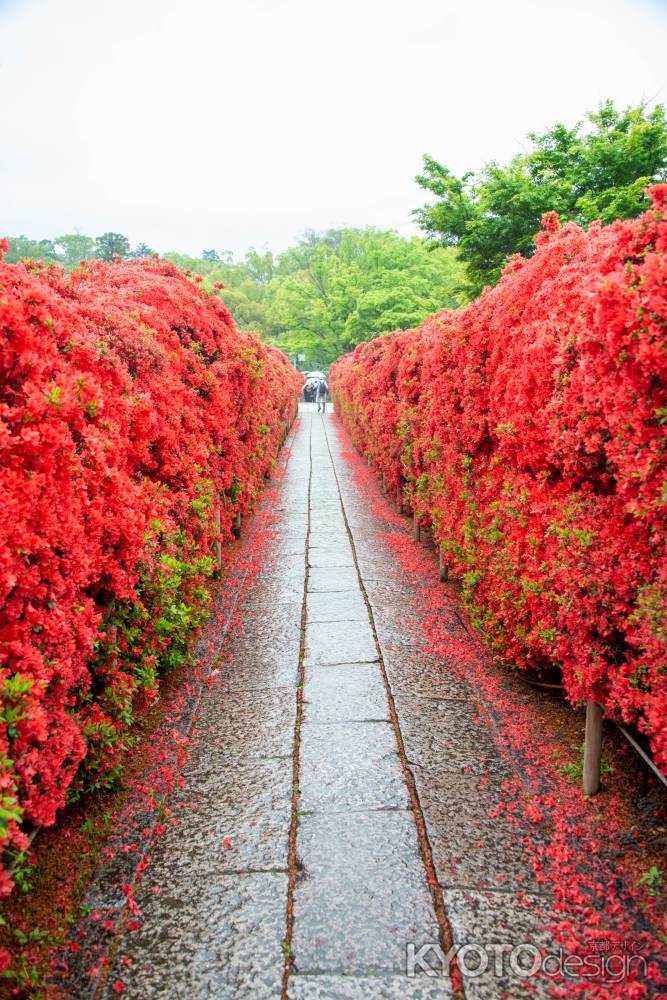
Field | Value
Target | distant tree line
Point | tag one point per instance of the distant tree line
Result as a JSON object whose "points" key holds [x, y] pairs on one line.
{"points": [[333, 289], [317, 299], [70, 249], [321, 297]]}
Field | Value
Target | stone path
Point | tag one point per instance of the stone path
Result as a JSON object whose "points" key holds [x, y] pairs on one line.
{"points": [[337, 790]]}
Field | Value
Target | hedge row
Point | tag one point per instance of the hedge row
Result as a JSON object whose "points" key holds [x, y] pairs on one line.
{"points": [[529, 429], [135, 422]]}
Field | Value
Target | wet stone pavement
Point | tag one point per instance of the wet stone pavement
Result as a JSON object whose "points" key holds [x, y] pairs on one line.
{"points": [[327, 672]]}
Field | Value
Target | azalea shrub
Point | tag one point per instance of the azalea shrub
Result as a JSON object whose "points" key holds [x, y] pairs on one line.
{"points": [[529, 430], [136, 423]]}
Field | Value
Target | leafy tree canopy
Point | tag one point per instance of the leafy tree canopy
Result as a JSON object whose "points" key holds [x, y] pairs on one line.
{"points": [[244, 285], [110, 245], [141, 250], [75, 247], [343, 286], [71, 248], [595, 170], [22, 248]]}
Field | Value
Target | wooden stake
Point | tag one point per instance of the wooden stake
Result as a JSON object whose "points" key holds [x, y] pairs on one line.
{"points": [[443, 568], [218, 544], [592, 748], [416, 529]]}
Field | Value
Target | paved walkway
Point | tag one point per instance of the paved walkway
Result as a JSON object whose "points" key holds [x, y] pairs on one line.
{"points": [[336, 798]]}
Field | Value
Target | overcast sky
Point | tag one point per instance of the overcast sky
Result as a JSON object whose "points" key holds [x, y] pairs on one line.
{"points": [[191, 124]]}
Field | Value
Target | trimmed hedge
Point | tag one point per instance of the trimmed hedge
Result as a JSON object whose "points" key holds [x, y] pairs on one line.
{"points": [[529, 430], [132, 412]]}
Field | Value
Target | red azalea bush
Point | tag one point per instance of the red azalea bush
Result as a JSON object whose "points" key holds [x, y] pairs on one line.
{"points": [[529, 430], [135, 423]]}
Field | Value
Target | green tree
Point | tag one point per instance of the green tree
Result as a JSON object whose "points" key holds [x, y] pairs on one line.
{"points": [[244, 296], [22, 248], [75, 247], [334, 290], [140, 251], [210, 255], [110, 245], [259, 267], [597, 170]]}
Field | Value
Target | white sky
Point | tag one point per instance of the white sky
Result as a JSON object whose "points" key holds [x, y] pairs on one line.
{"points": [[208, 123]]}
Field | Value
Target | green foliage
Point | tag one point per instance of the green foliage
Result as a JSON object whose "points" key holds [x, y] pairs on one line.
{"points": [[10, 811], [170, 605], [593, 171], [71, 248], [15, 691], [141, 250], [20, 248], [653, 881], [319, 298], [110, 245], [343, 286], [243, 284], [260, 267], [23, 874], [75, 247], [574, 770]]}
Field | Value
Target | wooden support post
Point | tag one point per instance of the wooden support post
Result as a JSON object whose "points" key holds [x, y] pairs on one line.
{"points": [[443, 568], [237, 523], [592, 748], [218, 543], [416, 528], [399, 500]]}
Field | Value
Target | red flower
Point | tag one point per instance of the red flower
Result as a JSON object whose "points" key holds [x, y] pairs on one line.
{"points": [[135, 421], [527, 430]]}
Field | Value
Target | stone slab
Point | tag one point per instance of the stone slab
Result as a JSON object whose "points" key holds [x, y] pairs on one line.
{"points": [[350, 766], [349, 858], [499, 919], [334, 987], [343, 606], [345, 693], [197, 939], [339, 642], [330, 579]]}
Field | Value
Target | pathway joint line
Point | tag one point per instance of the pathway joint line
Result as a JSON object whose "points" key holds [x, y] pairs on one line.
{"points": [[292, 859], [446, 936]]}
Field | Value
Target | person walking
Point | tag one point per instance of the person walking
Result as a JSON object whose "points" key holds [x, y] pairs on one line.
{"points": [[321, 397]]}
